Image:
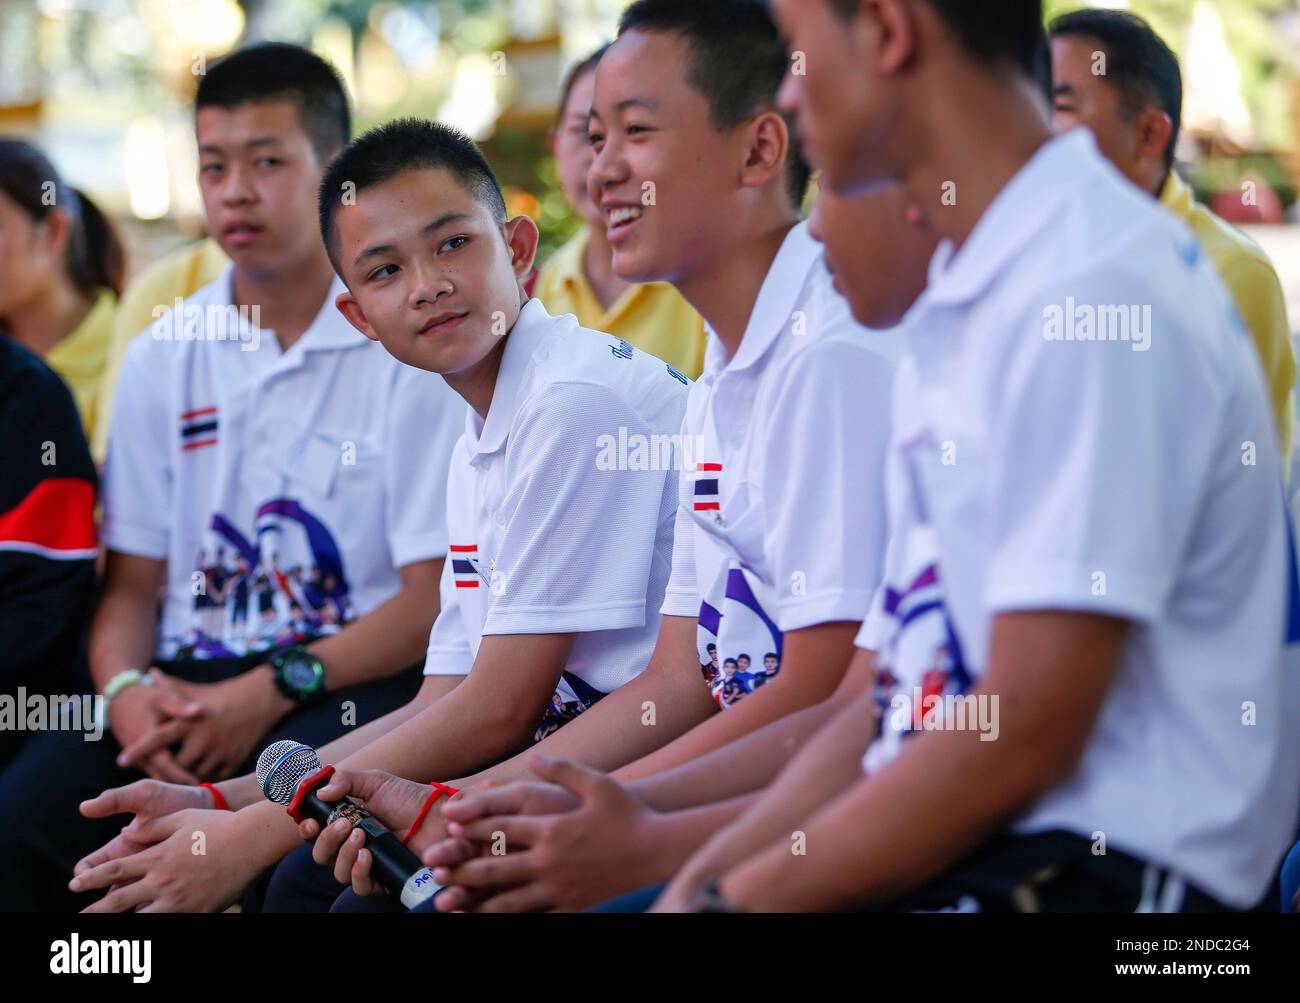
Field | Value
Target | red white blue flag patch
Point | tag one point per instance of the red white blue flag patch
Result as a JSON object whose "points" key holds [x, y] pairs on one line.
{"points": [[707, 476], [198, 428], [464, 566]]}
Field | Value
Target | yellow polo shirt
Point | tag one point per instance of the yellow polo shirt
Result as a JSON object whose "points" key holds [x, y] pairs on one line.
{"points": [[80, 359], [1250, 278], [178, 274], [652, 317]]}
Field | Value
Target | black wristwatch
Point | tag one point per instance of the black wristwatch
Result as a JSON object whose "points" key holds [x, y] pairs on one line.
{"points": [[298, 674]]}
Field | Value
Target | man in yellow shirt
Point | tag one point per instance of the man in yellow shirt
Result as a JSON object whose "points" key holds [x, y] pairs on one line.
{"points": [[579, 278], [1115, 75], [178, 274]]}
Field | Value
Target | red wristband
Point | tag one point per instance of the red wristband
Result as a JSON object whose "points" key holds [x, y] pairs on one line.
{"points": [[438, 791], [218, 801]]}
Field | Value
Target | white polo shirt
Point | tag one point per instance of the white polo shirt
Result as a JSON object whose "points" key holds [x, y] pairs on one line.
{"points": [[283, 489], [559, 509], [782, 523], [1131, 477]]}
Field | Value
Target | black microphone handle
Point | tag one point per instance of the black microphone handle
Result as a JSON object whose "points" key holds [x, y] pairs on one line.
{"points": [[394, 865]]}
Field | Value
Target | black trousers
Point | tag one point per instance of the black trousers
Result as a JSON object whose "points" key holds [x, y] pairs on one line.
{"points": [[1053, 872], [44, 834]]}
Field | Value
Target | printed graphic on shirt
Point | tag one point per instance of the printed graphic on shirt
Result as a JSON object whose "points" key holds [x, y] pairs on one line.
{"points": [[920, 665], [282, 583], [198, 428], [571, 698], [739, 644]]}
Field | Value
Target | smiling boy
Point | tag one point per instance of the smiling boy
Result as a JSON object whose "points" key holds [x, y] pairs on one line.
{"points": [[558, 567]]}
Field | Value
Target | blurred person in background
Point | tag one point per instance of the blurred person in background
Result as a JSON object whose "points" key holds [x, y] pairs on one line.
{"points": [[181, 273], [1132, 101], [61, 268], [579, 278]]}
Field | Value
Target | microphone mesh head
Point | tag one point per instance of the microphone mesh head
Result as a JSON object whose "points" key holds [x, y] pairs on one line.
{"points": [[281, 768]]}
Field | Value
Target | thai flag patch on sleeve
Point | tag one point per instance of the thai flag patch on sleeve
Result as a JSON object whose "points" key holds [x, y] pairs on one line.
{"points": [[464, 566], [199, 428], [707, 476]]}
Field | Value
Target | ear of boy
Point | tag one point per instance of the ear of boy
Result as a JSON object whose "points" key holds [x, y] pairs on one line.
{"points": [[522, 236], [768, 142]]}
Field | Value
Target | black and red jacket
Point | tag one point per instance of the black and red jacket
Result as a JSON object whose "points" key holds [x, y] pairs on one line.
{"points": [[47, 526]]}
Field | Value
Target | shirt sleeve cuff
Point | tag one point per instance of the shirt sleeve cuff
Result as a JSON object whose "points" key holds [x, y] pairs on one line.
{"points": [[448, 663], [419, 547], [1114, 591], [137, 542], [564, 620], [827, 607], [680, 603]]}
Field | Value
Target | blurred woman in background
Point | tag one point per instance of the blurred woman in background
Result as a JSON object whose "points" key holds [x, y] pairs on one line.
{"points": [[579, 279], [61, 272]]}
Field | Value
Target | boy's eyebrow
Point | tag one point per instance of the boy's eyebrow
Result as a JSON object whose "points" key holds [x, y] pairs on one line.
{"points": [[1063, 91], [627, 103], [425, 231], [252, 144]]}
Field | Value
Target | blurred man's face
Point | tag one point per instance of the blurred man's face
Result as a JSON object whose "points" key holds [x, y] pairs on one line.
{"points": [[572, 150], [259, 175], [429, 274], [769, 664], [1082, 97], [662, 175], [829, 93], [878, 257]]}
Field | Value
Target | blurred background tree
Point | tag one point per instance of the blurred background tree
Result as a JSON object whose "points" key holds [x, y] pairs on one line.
{"points": [[105, 85]]}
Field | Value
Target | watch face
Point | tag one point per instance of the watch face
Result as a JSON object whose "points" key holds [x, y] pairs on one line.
{"points": [[302, 674]]}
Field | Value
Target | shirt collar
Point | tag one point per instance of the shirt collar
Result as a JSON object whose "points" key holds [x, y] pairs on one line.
{"points": [[533, 325], [329, 329], [1176, 196], [777, 297], [1014, 217]]}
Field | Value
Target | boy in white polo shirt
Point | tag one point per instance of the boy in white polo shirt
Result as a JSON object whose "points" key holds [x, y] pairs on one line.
{"points": [[255, 432], [782, 522], [559, 559], [1090, 580]]}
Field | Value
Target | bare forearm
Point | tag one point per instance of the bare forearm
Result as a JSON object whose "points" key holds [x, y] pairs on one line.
{"points": [[879, 837], [242, 791], [744, 765], [637, 718], [817, 661], [1048, 676], [456, 736], [828, 764], [388, 639], [678, 834], [122, 635]]}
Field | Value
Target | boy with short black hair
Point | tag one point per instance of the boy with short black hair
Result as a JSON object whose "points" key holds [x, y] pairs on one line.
{"points": [[250, 419], [558, 566], [1105, 543]]}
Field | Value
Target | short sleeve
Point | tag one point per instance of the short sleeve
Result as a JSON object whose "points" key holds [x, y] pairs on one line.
{"points": [[579, 539], [138, 469], [425, 419], [1098, 447], [682, 596], [449, 652], [823, 483]]}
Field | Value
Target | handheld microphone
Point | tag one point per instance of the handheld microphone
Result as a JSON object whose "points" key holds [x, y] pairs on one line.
{"points": [[289, 774]]}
